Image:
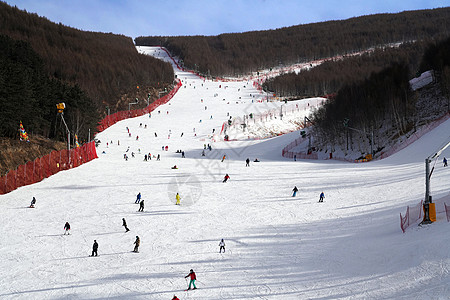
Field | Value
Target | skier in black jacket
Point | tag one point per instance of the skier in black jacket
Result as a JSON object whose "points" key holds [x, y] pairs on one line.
{"points": [[94, 248]]}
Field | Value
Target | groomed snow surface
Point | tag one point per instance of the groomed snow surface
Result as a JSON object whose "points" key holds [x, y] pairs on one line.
{"points": [[277, 246]]}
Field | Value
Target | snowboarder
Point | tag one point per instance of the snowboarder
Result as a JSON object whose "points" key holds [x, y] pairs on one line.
{"points": [[193, 278], [141, 206], [138, 198], [136, 243], [124, 224], [322, 195], [295, 190], [94, 248], [67, 228], [178, 199], [445, 162], [174, 167], [175, 298], [225, 179], [222, 246], [33, 202], [247, 162]]}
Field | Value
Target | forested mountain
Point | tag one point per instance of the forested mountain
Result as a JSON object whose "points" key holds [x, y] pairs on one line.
{"points": [[328, 77], [385, 104], [43, 63], [241, 53], [107, 67]]}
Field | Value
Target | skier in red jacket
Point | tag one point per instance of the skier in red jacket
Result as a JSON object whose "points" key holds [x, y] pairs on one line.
{"points": [[226, 178], [193, 278]]}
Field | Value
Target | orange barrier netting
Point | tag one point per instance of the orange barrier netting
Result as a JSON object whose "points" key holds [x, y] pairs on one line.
{"points": [[46, 166], [122, 115]]}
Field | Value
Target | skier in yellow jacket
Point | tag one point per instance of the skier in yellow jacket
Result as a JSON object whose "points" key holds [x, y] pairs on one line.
{"points": [[178, 199]]}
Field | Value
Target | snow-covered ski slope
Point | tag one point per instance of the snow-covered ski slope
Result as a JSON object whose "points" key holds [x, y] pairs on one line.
{"points": [[277, 246]]}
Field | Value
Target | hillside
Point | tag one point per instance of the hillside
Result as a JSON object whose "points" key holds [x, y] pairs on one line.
{"points": [[243, 53], [277, 246], [106, 66]]}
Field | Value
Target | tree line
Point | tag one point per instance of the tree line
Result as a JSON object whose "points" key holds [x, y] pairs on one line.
{"points": [[242, 53], [330, 76], [29, 95], [102, 68], [384, 102]]}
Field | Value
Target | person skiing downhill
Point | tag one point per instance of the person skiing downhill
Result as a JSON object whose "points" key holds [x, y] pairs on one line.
{"points": [[178, 199], [33, 202], [124, 224], [445, 162], [222, 246], [175, 298], [141, 206], [193, 278], [136, 243], [67, 228], [295, 190], [225, 179], [247, 162], [94, 248], [138, 198], [322, 195]]}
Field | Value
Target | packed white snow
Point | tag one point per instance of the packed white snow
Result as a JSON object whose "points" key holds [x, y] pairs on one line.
{"points": [[277, 246]]}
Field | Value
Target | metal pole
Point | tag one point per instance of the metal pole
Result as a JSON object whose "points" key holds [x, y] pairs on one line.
{"points": [[371, 144], [89, 136], [427, 180]]}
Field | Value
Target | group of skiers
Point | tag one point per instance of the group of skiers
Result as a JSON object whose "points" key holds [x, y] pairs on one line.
{"points": [[295, 190]]}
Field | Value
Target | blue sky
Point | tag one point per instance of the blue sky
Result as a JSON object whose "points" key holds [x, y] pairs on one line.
{"points": [[206, 17]]}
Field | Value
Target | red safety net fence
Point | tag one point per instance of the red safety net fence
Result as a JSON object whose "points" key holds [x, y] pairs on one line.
{"points": [[288, 153], [46, 166], [413, 214], [122, 115]]}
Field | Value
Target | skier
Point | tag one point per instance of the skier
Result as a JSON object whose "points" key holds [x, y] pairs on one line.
{"points": [[193, 278], [158, 157], [33, 202], [223, 157], [136, 243], [182, 154], [145, 157], [138, 198], [295, 190], [222, 246], [175, 298], [225, 179], [322, 195], [141, 206], [124, 224], [66, 228], [178, 199], [445, 162], [94, 248], [247, 162]]}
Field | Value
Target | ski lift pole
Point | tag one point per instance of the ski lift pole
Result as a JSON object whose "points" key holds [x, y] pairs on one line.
{"points": [[426, 203]]}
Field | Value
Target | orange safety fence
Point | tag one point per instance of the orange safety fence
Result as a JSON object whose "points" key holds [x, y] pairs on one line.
{"points": [[122, 115], [50, 164], [46, 166]]}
